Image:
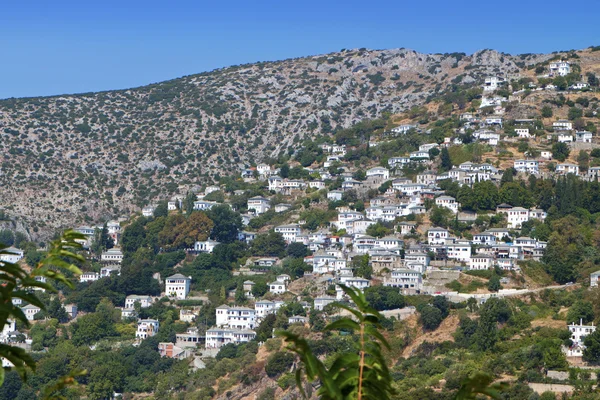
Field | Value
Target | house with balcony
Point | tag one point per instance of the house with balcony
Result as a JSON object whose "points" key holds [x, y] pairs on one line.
{"points": [[559, 68], [527, 166], [146, 328], [259, 205], [448, 202], [437, 236], [289, 232], [567, 168], [178, 286], [405, 279]]}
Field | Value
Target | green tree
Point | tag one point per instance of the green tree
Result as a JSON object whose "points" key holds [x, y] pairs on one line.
{"points": [[446, 162], [161, 210], [494, 283], [430, 316], [226, 223], [297, 250], [547, 112], [591, 353], [560, 151], [270, 244], [580, 310], [279, 363]]}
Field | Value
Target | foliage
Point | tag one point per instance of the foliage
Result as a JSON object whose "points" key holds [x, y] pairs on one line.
{"points": [[17, 282], [226, 223], [560, 151], [360, 374], [384, 298]]}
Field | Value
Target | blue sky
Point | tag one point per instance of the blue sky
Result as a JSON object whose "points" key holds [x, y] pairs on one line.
{"points": [[57, 47]]}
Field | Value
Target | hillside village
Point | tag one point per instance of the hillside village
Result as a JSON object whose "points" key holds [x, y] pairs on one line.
{"points": [[444, 208]]}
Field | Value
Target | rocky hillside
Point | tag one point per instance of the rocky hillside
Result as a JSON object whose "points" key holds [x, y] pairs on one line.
{"points": [[76, 158]]}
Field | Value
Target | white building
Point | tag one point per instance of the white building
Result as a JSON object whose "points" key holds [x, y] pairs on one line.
{"points": [[263, 308], [321, 302], [481, 262], [567, 169], [492, 83], [379, 173], [516, 216], [206, 246], [398, 162], [148, 211], [289, 232], [218, 337], [405, 278], [145, 301], [523, 133], [277, 287], [403, 129], [562, 125], [594, 277], [112, 256], [203, 205], [235, 317], [146, 328], [528, 166], [583, 137], [564, 138], [30, 310], [259, 205], [89, 277], [14, 257], [437, 236], [578, 335], [560, 68], [178, 286], [459, 250], [335, 195], [448, 202]]}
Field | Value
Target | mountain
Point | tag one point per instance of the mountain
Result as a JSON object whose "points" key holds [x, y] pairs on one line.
{"points": [[80, 158]]}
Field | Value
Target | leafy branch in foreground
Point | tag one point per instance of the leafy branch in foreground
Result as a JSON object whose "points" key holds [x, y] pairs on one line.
{"points": [[17, 283], [364, 374]]}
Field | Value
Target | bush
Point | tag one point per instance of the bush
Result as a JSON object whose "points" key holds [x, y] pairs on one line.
{"points": [[279, 363]]}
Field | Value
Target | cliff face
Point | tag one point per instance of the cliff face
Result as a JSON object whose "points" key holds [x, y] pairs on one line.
{"points": [[77, 158]]}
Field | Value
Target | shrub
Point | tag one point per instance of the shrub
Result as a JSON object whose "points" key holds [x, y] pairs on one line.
{"points": [[279, 363]]}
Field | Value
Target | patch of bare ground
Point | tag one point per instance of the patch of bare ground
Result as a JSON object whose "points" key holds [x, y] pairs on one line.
{"points": [[441, 334]]}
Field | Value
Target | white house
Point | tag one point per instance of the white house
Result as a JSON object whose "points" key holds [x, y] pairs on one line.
{"points": [[403, 129], [263, 308], [594, 277], [15, 255], [578, 335], [562, 125], [448, 202], [335, 195], [419, 155], [398, 162], [437, 236], [206, 246], [143, 300], [379, 173], [523, 133], [583, 137], [289, 232], [492, 83], [218, 337], [528, 166], [459, 250], [202, 205], [321, 302], [480, 262], [89, 277], [297, 319], [178, 286], [148, 211], [235, 317], [112, 256], [567, 168], [564, 138], [579, 86], [516, 216], [560, 68], [30, 310], [277, 287], [405, 278], [146, 328], [259, 205]]}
